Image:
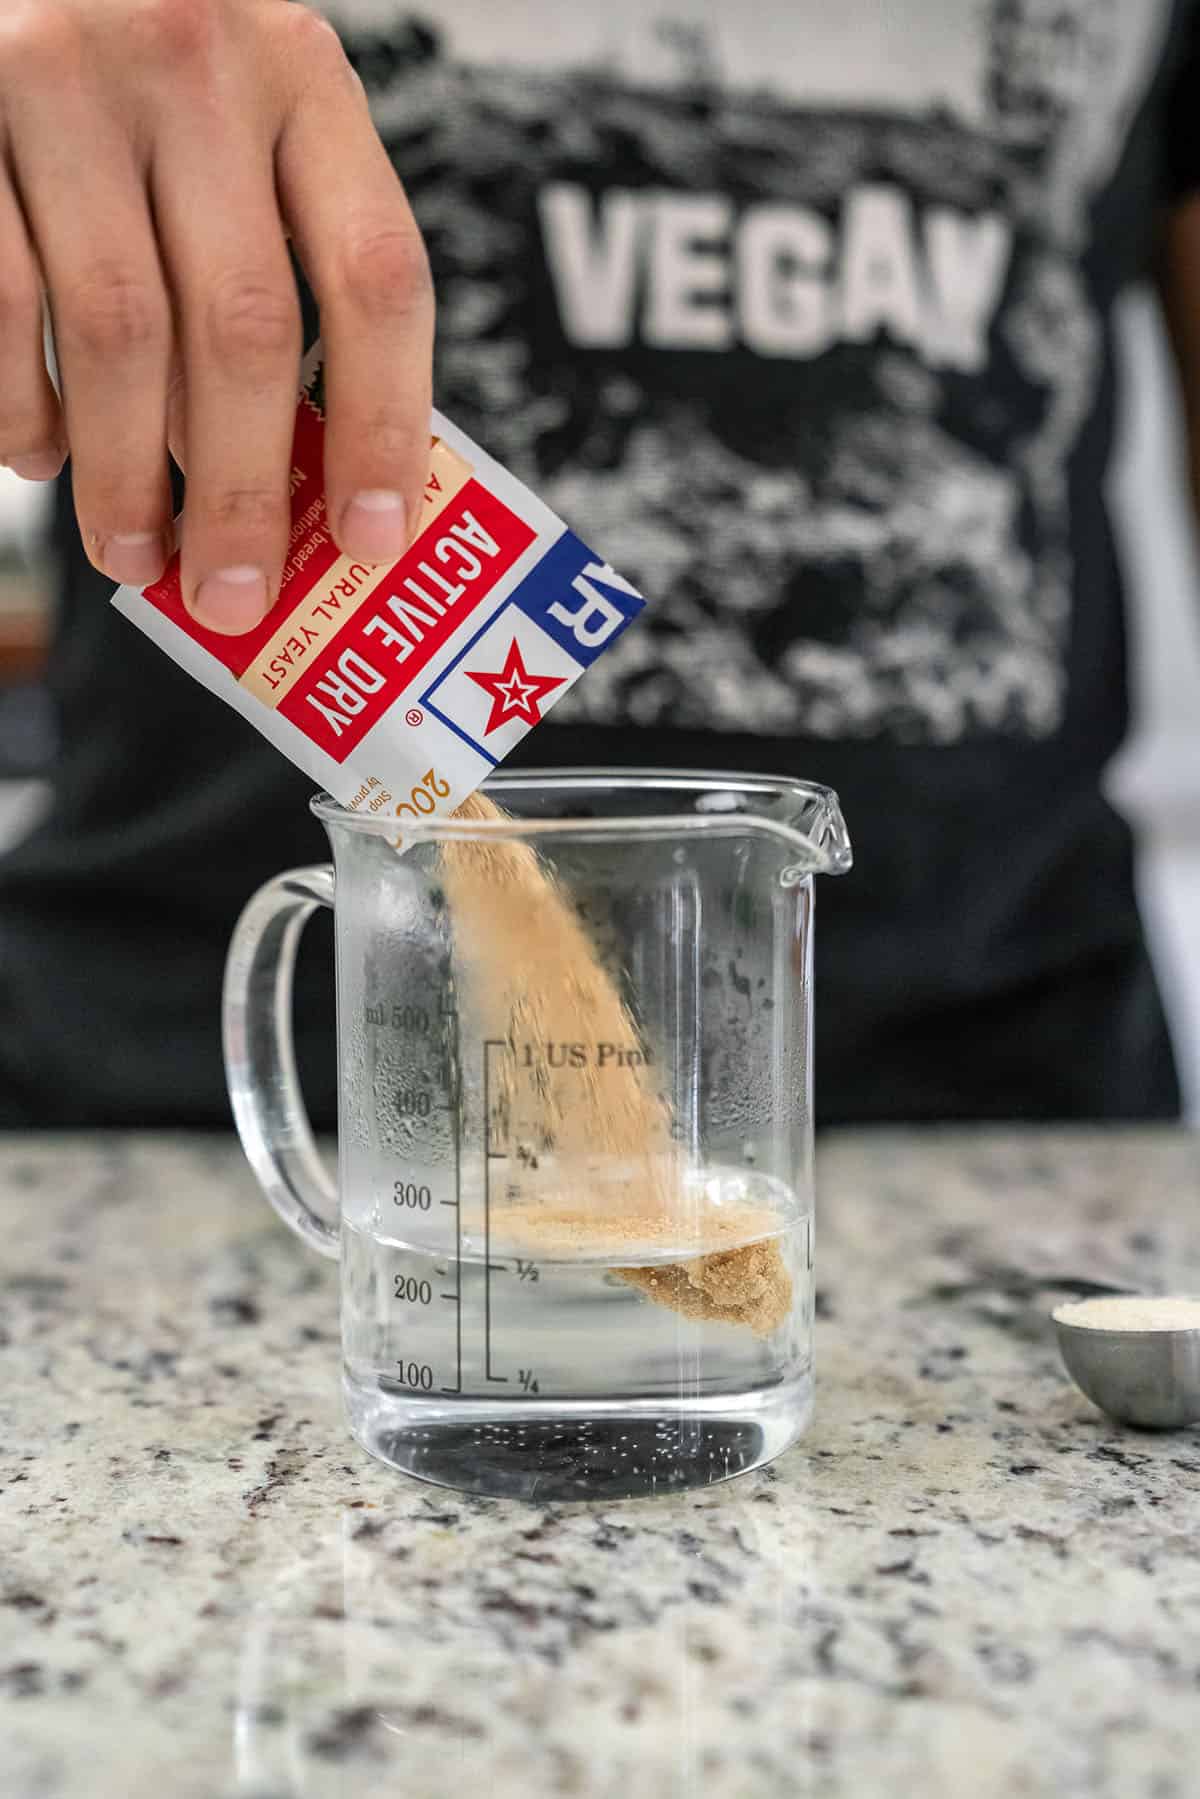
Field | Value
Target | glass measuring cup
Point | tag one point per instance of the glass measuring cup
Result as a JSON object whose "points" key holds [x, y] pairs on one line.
{"points": [[575, 1194]]}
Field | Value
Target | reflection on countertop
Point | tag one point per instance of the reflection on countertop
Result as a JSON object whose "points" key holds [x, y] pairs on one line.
{"points": [[964, 1582]]}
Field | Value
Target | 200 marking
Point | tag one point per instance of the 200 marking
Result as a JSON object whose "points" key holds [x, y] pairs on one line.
{"points": [[413, 1291]]}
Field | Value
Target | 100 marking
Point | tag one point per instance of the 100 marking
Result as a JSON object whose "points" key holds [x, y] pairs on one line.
{"points": [[418, 1375]]}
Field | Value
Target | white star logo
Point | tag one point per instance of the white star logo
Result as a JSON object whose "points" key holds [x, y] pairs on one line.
{"points": [[514, 691]]}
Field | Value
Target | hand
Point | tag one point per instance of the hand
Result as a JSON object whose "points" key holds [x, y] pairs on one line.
{"points": [[154, 155]]}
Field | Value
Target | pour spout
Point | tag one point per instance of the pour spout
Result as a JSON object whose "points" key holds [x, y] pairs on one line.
{"points": [[819, 831]]}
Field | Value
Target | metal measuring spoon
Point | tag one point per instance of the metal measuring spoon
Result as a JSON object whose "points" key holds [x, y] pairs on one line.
{"points": [[1138, 1371]]}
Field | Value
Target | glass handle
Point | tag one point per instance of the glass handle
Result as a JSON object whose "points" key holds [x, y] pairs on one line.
{"points": [[260, 1058]]}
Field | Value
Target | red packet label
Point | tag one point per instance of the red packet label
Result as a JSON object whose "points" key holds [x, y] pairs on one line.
{"points": [[409, 681]]}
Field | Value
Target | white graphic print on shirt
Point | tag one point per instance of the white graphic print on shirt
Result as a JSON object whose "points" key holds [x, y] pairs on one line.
{"points": [[785, 310]]}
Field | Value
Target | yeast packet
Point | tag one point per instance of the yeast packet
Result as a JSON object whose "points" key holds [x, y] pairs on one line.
{"points": [[399, 687]]}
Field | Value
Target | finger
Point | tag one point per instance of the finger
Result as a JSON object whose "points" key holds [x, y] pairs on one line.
{"points": [[32, 437], [85, 199], [240, 341], [177, 409], [364, 257]]}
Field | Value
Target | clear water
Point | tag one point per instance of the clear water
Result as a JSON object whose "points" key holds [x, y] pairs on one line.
{"points": [[549, 1375]]}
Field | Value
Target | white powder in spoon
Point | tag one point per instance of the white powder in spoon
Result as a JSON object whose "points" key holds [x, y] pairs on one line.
{"points": [[1132, 1312]]}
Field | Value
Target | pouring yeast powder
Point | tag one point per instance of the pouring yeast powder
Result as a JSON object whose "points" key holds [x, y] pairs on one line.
{"points": [[537, 979]]}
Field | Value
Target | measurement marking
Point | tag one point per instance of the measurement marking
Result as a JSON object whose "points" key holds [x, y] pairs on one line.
{"points": [[498, 1267], [456, 1134], [454, 1299], [490, 1155]]}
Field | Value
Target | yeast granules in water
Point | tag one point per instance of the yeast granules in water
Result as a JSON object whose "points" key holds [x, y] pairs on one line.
{"points": [[536, 979]]}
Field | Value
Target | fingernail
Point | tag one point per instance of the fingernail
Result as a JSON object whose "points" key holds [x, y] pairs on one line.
{"points": [[39, 465], [232, 601], [135, 558], [375, 526]]}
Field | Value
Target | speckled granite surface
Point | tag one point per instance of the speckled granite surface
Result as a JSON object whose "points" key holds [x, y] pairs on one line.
{"points": [[964, 1583]]}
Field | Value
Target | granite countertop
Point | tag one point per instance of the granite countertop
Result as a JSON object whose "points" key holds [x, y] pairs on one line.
{"points": [[964, 1581]]}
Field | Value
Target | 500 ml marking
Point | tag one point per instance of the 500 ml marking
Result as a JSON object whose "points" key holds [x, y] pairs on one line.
{"points": [[416, 1196], [435, 1028], [414, 1021]]}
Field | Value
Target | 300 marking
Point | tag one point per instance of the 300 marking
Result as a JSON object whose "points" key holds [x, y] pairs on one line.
{"points": [[407, 1193]]}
